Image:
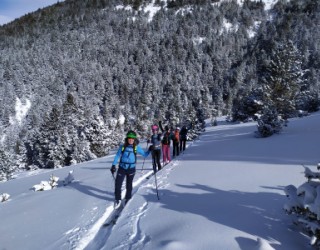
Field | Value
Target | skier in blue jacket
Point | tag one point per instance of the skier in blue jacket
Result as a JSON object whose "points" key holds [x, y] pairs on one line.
{"points": [[127, 154]]}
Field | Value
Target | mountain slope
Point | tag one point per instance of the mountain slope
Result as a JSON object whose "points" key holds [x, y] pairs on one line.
{"points": [[224, 192], [86, 71]]}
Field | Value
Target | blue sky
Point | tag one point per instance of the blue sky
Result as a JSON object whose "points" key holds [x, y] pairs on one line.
{"points": [[12, 9]]}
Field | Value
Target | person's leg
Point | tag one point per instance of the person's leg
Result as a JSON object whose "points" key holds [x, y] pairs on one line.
{"points": [[168, 153], [164, 154], [174, 150], [129, 179], [118, 183], [157, 158], [154, 160]]}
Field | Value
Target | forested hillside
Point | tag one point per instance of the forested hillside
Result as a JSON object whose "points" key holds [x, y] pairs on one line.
{"points": [[76, 75]]}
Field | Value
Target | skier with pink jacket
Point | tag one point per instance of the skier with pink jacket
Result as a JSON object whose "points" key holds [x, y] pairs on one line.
{"points": [[166, 138]]}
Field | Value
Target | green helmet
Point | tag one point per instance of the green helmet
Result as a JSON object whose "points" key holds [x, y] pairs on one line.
{"points": [[131, 134]]}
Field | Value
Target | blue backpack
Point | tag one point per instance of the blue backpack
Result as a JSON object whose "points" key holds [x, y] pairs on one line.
{"points": [[124, 150]]}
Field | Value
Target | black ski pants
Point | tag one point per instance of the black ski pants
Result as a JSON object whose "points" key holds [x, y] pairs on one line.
{"points": [[183, 144], [175, 148], [121, 174], [156, 154]]}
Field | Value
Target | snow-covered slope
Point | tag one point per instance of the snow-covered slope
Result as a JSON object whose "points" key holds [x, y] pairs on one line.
{"points": [[224, 192]]}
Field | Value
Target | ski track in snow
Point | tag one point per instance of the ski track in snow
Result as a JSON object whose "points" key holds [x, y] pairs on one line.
{"points": [[76, 234], [97, 235], [136, 238]]}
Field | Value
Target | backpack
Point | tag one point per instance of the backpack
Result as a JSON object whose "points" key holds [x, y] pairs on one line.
{"points": [[176, 136], [155, 138], [166, 138], [134, 151]]}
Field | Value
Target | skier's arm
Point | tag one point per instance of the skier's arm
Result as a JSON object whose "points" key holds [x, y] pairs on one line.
{"points": [[142, 152], [160, 126], [117, 156]]}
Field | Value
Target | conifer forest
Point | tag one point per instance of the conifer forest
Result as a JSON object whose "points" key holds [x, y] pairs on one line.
{"points": [[75, 76]]}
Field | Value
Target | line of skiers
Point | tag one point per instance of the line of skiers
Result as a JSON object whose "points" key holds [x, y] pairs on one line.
{"points": [[126, 155], [162, 139]]}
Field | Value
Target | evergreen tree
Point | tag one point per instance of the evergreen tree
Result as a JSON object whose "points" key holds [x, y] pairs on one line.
{"points": [[179, 65], [6, 165], [270, 122], [282, 79]]}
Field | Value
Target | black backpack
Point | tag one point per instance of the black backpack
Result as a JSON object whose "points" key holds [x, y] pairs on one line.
{"points": [[166, 138]]}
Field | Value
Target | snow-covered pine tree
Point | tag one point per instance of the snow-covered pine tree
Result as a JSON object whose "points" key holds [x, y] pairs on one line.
{"points": [[6, 165], [283, 79], [281, 82], [269, 122], [249, 106]]}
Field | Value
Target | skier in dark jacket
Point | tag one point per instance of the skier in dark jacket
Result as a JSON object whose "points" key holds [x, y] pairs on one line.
{"points": [[183, 138], [176, 141], [155, 140], [127, 166]]}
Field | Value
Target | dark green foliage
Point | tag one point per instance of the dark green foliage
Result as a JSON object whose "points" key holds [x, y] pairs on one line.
{"points": [[286, 67], [269, 123], [307, 101], [282, 79], [248, 107], [6, 166], [182, 3]]}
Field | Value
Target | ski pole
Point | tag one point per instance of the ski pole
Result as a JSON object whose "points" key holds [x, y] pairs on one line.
{"points": [[155, 178], [114, 178], [144, 159]]}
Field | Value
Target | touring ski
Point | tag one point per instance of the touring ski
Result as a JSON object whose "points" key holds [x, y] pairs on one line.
{"points": [[112, 219]]}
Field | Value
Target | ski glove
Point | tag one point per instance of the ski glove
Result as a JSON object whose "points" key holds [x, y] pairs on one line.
{"points": [[151, 148], [113, 169]]}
